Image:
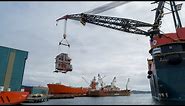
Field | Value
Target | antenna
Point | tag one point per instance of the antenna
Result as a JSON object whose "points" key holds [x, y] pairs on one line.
{"points": [[174, 9]]}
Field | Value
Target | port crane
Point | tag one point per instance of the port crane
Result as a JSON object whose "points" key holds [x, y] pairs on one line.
{"points": [[113, 82], [100, 81]]}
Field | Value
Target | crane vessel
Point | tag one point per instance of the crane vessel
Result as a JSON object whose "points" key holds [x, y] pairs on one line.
{"points": [[166, 69]]}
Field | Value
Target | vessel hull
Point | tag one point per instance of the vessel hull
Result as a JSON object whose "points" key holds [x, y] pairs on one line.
{"points": [[63, 89], [12, 97], [100, 93]]}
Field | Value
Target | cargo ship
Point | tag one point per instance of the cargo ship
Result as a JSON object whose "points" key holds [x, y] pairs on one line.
{"points": [[101, 93], [92, 90], [106, 90], [63, 89], [166, 69], [12, 97]]}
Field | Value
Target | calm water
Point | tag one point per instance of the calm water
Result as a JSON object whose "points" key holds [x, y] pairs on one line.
{"points": [[134, 99]]}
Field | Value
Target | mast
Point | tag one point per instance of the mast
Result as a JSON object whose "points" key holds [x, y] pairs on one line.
{"points": [[113, 82], [175, 14], [127, 83]]}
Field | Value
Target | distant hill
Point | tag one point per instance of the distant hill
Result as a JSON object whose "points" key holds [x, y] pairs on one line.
{"points": [[140, 92]]}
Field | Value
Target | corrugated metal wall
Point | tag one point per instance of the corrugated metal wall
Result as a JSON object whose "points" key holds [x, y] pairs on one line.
{"points": [[12, 64], [36, 89], [39, 90]]}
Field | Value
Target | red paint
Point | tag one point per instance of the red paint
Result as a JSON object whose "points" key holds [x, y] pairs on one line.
{"points": [[12, 97], [168, 38], [63, 89]]}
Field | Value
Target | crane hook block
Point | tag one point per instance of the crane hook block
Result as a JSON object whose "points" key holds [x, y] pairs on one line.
{"points": [[64, 35]]}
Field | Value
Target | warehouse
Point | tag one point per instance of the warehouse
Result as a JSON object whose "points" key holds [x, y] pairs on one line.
{"points": [[12, 65]]}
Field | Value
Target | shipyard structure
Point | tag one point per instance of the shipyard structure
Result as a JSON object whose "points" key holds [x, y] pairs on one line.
{"points": [[12, 64]]}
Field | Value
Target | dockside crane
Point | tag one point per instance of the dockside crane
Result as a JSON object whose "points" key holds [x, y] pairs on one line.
{"points": [[113, 83]]}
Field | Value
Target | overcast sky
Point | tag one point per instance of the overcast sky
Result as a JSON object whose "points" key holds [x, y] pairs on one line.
{"points": [[30, 26]]}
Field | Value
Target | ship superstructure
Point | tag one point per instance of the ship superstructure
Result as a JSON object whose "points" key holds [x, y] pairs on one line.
{"points": [[99, 88]]}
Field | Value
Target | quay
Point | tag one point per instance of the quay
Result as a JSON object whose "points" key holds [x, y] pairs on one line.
{"points": [[36, 98], [61, 96]]}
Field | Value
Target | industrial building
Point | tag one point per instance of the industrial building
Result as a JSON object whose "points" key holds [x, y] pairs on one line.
{"points": [[12, 65], [35, 89]]}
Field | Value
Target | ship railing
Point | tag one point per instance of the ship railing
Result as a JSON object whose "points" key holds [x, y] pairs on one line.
{"points": [[171, 53]]}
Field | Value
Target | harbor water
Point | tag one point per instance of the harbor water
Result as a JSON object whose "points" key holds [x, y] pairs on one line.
{"points": [[133, 99]]}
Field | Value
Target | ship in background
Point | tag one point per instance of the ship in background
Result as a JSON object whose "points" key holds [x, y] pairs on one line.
{"points": [[106, 90], [96, 88], [58, 89]]}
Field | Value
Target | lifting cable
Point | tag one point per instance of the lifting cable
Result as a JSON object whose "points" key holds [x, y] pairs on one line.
{"points": [[59, 66], [64, 41], [64, 36]]}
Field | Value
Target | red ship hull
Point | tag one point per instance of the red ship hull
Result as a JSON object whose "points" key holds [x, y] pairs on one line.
{"points": [[100, 93], [12, 97], [62, 89]]}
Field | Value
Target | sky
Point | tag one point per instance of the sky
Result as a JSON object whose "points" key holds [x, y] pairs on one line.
{"points": [[31, 26]]}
